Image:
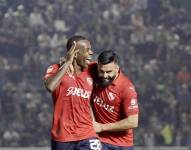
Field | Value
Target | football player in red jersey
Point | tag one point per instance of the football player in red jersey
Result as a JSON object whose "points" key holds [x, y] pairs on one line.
{"points": [[71, 86], [115, 104]]}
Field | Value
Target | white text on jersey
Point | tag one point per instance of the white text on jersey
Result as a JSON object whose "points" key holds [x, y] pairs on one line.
{"points": [[101, 103], [78, 92]]}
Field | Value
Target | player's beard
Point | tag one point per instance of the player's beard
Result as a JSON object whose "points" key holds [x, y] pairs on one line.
{"points": [[105, 82]]}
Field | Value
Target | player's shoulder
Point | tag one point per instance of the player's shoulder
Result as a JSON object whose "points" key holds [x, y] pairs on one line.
{"points": [[52, 67], [124, 78], [51, 70], [125, 82]]}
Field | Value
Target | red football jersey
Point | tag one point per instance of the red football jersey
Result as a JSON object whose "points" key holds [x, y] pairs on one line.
{"points": [[113, 103], [72, 120]]}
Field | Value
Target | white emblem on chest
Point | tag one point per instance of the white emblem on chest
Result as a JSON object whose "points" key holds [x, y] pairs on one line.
{"points": [[111, 96]]}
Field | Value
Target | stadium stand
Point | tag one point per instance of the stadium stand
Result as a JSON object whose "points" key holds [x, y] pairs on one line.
{"points": [[152, 38]]}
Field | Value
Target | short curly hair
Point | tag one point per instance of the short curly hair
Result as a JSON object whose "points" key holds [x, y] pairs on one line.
{"points": [[72, 39]]}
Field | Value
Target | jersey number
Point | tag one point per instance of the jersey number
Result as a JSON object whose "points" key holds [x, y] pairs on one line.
{"points": [[95, 144]]}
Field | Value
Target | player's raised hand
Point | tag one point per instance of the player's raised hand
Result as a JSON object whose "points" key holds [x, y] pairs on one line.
{"points": [[72, 52], [62, 61]]}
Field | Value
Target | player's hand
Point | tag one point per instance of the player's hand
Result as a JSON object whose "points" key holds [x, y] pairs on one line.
{"points": [[97, 127], [72, 53], [70, 69], [62, 61]]}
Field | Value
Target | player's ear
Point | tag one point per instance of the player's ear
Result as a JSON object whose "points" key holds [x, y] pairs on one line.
{"points": [[117, 68], [76, 54]]}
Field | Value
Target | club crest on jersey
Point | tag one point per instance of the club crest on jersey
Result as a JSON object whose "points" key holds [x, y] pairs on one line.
{"points": [[111, 96], [71, 76], [89, 80]]}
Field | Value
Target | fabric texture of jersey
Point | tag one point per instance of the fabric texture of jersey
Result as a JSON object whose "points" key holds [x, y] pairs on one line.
{"points": [[113, 103], [72, 120]]}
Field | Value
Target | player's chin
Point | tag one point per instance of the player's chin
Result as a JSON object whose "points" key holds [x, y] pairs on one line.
{"points": [[105, 83], [85, 65], [87, 62]]}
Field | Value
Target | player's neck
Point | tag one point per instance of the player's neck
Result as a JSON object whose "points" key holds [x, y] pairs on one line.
{"points": [[77, 69]]}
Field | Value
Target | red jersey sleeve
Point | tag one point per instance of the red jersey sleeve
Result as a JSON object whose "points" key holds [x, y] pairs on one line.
{"points": [[130, 104], [51, 70]]}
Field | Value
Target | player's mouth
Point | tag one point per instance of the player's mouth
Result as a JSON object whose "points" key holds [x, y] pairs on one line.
{"points": [[105, 79], [88, 60]]}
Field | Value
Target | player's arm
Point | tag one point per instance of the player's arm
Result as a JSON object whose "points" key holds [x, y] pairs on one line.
{"points": [[52, 82], [92, 113], [127, 123], [91, 108]]}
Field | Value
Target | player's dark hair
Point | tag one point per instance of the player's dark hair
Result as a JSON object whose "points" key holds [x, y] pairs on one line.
{"points": [[107, 57], [72, 39]]}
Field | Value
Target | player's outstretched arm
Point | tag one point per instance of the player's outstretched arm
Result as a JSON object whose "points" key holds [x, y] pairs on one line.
{"points": [[127, 123], [52, 82]]}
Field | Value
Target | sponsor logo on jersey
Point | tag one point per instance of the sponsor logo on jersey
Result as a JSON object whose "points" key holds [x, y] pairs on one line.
{"points": [[78, 92], [111, 96], [101, 103], [89, 80]]}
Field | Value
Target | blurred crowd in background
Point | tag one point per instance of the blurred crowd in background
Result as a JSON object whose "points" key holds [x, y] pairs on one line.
{"points": [[151, 37]]}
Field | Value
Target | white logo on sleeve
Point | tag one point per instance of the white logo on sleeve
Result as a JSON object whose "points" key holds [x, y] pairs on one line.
{"points": [[49, 69], [133, 104], [132, 88], [111, 96]]}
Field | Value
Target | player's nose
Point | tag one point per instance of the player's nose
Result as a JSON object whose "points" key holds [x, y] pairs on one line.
{"points": [[90, 52], [105, 75]]}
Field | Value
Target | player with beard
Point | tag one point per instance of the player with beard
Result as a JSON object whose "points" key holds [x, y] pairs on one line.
{"points": [[115, 107], [71, 85]]}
